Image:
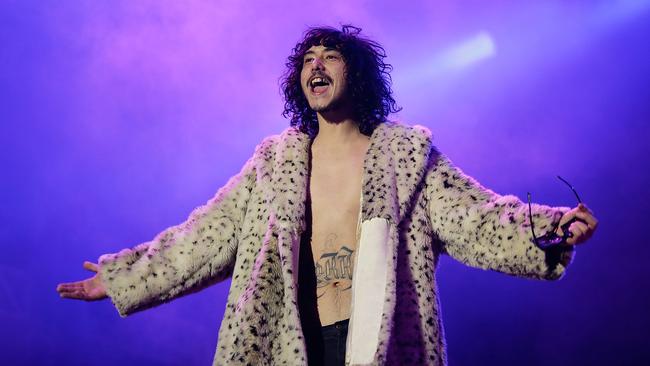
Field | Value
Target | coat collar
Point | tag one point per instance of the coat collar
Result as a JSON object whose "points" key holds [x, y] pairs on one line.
{"points": [[394, 168]]}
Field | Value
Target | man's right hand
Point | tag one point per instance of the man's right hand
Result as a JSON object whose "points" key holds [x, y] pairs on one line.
{"points": [[90, 289]]}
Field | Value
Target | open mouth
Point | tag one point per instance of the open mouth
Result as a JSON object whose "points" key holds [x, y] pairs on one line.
{"points": [[319, 84]]}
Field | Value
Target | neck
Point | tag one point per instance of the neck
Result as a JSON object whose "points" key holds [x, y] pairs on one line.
{"points": [[338, 133], [336, 128]]}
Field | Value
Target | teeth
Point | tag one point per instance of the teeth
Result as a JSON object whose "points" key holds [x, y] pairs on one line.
{"points": [[317, 80]]}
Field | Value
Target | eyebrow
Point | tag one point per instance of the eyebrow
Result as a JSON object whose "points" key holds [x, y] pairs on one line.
{"points": [[310, 52]]}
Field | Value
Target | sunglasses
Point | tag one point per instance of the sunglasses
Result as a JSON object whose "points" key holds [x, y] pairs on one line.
{"points": [[551, 239]]}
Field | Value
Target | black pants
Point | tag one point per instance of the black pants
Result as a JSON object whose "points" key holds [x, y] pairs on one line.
{"points": [[334, 339]]}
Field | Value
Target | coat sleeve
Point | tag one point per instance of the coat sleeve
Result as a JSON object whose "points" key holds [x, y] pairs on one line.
{"points": [[184, 258], [486, 230]]}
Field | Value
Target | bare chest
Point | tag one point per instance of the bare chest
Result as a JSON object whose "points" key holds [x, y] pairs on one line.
{"points": [[335, 205], [335, 192]]}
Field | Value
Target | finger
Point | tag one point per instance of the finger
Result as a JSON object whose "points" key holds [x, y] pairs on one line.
{"points": [[584, 207], [579, 231], [73, 292], [579, 228], [587, 218], [91, 266], [69, 293], [566, 218], [569, 215], [71, 286], [79, 295], [574, 233]]}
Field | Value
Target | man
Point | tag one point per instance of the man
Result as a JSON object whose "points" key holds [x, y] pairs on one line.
{"points": [[332, 230]]}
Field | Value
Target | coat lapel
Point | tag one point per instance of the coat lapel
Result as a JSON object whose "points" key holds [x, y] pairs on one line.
{"points": [[289, 186], [394, 171], [290, 179]]}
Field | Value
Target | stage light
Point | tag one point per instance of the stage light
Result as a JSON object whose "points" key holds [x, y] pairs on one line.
{"points": [[450, 60], [475, 49]]}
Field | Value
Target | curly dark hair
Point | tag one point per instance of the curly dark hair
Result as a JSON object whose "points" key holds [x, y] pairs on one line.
{"points": [[368, 78]]}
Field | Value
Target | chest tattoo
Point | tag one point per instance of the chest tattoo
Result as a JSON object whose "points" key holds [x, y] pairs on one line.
{"points": [[334, 266]]}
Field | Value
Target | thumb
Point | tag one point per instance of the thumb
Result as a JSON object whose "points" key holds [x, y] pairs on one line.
{"points": [[91, 266]]}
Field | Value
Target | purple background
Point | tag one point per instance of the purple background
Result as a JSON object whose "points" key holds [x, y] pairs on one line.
{"points": [[119, 117]]}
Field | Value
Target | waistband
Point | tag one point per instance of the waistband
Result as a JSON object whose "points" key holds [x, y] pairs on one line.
{"points": [[343, 324]]}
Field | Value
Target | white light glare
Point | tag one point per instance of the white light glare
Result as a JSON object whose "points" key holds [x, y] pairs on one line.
{"points": [[471, 51]]}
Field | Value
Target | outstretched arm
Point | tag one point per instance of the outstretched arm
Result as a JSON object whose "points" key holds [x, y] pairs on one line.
{"points": [[486, 230], [180, 260]]}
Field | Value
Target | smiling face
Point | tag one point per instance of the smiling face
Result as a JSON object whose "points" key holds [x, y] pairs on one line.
{"points": [[323, 78]]}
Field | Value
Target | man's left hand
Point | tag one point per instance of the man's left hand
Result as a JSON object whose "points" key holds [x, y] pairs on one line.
{"points": [[583, 228]]}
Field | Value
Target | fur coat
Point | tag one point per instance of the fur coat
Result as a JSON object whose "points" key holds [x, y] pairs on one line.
{"points": [[415, 207]]}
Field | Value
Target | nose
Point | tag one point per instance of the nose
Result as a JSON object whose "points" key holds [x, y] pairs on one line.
{"points": [[317, 63]]}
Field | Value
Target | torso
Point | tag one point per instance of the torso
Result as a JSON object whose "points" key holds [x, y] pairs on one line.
{"points": [[335, 192]]}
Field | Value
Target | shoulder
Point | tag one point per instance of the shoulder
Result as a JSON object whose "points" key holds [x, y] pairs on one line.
{"points": [[287, 142], [414, 138], [399, 131], [289, 136]]}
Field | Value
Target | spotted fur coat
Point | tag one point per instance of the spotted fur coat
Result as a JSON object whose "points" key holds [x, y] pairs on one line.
{"points": [[416, 206]]}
